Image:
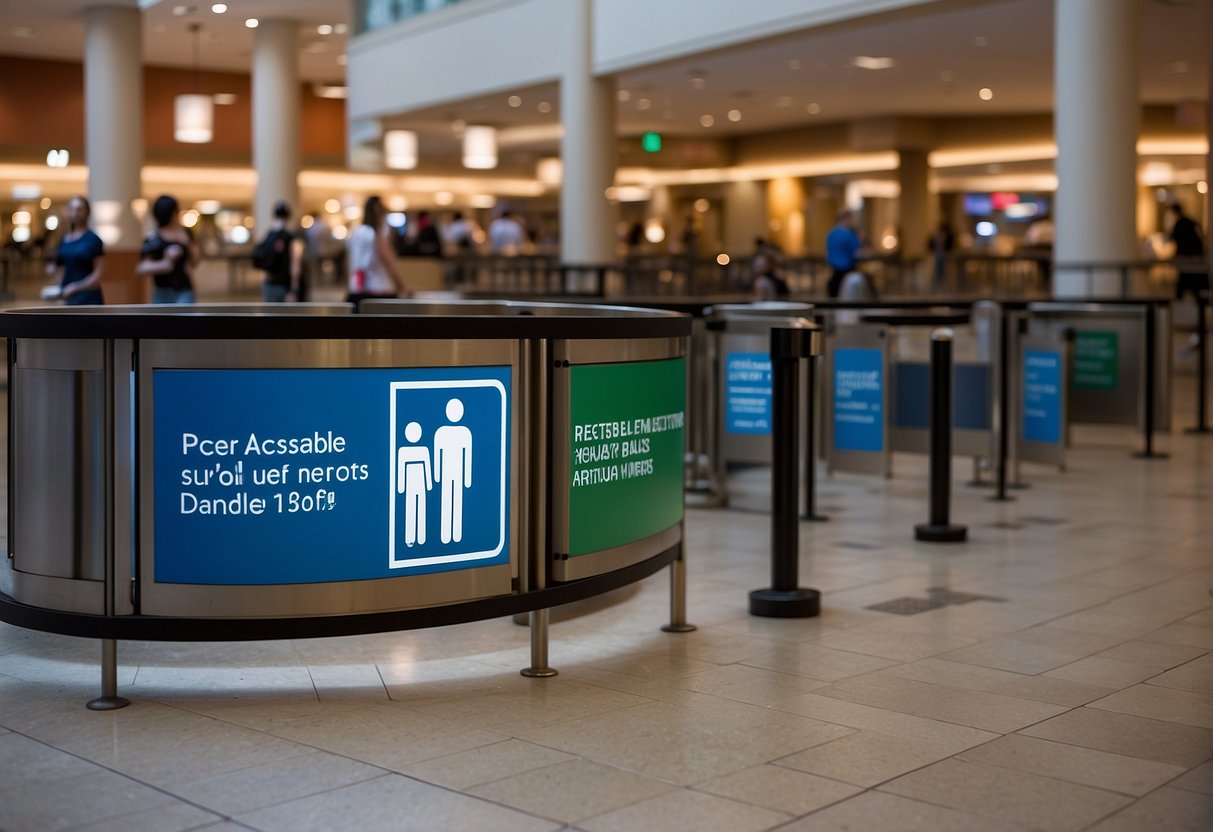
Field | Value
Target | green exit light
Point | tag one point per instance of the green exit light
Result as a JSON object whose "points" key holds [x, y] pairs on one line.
{"points": [[651, 142]]}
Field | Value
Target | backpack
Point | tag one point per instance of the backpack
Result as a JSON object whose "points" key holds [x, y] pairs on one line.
{"points": [[266, 255]]}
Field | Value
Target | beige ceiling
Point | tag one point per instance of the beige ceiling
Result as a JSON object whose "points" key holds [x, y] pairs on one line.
{"points": [[226, 44], [944, 52]]}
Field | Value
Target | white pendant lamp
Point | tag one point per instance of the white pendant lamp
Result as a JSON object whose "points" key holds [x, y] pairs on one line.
{"points": [[400, 149], [194, 114], [479, 148], [550, 171]]}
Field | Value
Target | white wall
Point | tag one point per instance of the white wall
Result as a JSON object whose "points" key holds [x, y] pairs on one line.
{"points": [[631, 33], [455, 53]]}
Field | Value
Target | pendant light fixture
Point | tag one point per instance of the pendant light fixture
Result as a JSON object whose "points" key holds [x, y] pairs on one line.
{"points": [[194, 114], [479, 147], [400, 149]]}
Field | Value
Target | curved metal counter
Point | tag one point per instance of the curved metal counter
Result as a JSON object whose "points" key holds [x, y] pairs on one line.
{"points": [[209, 474]]}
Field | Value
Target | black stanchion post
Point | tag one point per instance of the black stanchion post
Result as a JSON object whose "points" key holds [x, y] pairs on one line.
{"points": [[1004, 404], [1202, 364], [939, 530], [1151, 383], [810, 449], [785, 598]]}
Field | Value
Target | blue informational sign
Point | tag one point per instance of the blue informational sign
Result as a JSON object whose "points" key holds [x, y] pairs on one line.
{"points": [[747, 393], [1042, 396], [858, 399], [307, 476]]}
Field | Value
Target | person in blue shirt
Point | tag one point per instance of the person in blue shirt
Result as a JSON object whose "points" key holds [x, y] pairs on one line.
{"points": [[842, 248], [80, 259]]}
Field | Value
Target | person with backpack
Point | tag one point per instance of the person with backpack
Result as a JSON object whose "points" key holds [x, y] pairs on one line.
{"points": [[280, 256], [169, 255]]}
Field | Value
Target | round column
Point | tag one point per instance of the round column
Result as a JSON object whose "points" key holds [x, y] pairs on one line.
{"points": [[1097, 120], [588, 150], [113, 141], [914, 204], [276, 94]]}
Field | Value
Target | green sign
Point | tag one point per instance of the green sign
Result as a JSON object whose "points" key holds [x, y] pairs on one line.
{"points": [[651, 142], [625, 452], [1095, 361]]}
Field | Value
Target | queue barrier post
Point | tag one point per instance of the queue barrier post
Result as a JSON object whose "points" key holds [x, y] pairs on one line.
{"points": [[1202, 365], [785, 598], [1151, 384], [939, 529]]}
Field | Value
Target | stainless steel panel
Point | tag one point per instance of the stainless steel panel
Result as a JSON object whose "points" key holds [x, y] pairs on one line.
{"points": [[61, 354], [608, 560], [330, 598], [59, 475], [53, 593], [609, 352]]}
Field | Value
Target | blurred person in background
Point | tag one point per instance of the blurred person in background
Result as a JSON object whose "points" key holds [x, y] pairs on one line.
{"points": [[842, 251], [506, 235], [280, 256], [169, 255], [767, 284], [80, 259], [373, 271]]}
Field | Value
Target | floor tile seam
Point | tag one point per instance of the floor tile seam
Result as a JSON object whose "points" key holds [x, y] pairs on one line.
{"points": [[889, 671], [1172, 721], [312, 679], [874, 786], [961, 690], [994, 764], [1092, 748], [221, 817]]}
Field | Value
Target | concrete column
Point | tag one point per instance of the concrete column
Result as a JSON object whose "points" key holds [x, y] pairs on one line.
{"points": [[1096, 126], [914, 212], [113, 141], [588, 149], [276, 93], [745, 216]]}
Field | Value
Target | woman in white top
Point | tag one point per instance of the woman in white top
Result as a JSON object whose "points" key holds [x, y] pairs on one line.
{"points": [[372, 262]]}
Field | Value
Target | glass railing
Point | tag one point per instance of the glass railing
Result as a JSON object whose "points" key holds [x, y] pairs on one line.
{"points": [[370, 15]]}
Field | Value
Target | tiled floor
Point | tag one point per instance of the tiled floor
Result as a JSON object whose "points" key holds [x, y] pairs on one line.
{"points": [[1077, 695]]}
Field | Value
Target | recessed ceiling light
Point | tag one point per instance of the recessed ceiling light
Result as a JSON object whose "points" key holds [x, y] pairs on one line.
{"points": [[251, 23], [707, 120], [814, 108], [643, 103], [182, 11], [734, 115], [219, 8], [985, 93], [324, 29], [224, 99], [544, 106], [872, 62], [341, 29], [624, 95], [514, 101]]}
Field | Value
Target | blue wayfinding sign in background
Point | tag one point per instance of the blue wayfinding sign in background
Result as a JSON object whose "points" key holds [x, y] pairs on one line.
{"points": [[1042, 396], [858, 399], [306, 476], [747, 393]]}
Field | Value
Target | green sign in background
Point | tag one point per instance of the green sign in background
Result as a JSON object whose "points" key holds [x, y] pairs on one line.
{"points": [[626, 424], [1096, 357]]}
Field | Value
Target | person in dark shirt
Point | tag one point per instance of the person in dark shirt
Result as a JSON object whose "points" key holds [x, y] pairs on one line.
{"points": [[768, 285], [168, 255], [80, 260], [284, 278], [1189, 247]]}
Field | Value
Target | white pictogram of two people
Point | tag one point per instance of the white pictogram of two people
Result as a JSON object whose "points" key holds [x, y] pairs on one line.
{"points": [[451, 469]]}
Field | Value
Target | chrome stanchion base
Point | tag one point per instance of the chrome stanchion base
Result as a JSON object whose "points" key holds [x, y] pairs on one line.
{"points": [[1150, 455], [107, 703], [940, 534], [785, 603]]}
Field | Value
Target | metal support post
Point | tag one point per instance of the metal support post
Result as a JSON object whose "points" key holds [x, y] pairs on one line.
{"points": [[810, 449], [541, 379], [1202, 365], [678, 590], [109, 700], [939, 530], [785, 598], [1004, 406], [1151, 384]]}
